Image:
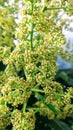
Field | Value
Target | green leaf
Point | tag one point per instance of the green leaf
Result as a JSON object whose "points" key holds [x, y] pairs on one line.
{"points": [[38, 37], [49, 105], [58, 125], [64, 76], [52, 108], [45, 8]]}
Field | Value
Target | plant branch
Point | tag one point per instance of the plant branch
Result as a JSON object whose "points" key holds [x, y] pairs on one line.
{"points": [[32, 27], [24, 106], [38, 109], [57, 8]]}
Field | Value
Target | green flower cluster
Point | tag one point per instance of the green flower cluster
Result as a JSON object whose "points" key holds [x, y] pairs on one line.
{"points": [[15, 92], [23, 121], [7, 27], [4, 113], [4, 54]]}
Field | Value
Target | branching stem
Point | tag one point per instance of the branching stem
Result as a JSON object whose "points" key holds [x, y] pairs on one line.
{"points": [[32, 27]]}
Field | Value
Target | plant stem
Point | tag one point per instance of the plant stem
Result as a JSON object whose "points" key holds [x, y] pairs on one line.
{"points": [[24, 106], [32, 27], [37, 90], [32, 37], [38, 109], [56, 8]]}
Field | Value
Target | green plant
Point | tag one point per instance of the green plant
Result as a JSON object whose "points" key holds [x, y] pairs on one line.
{"points": [[27, 82]]}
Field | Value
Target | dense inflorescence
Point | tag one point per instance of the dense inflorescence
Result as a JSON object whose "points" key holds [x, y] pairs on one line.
{"points": [[31, 67], [7, 27], [23, 121]]}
